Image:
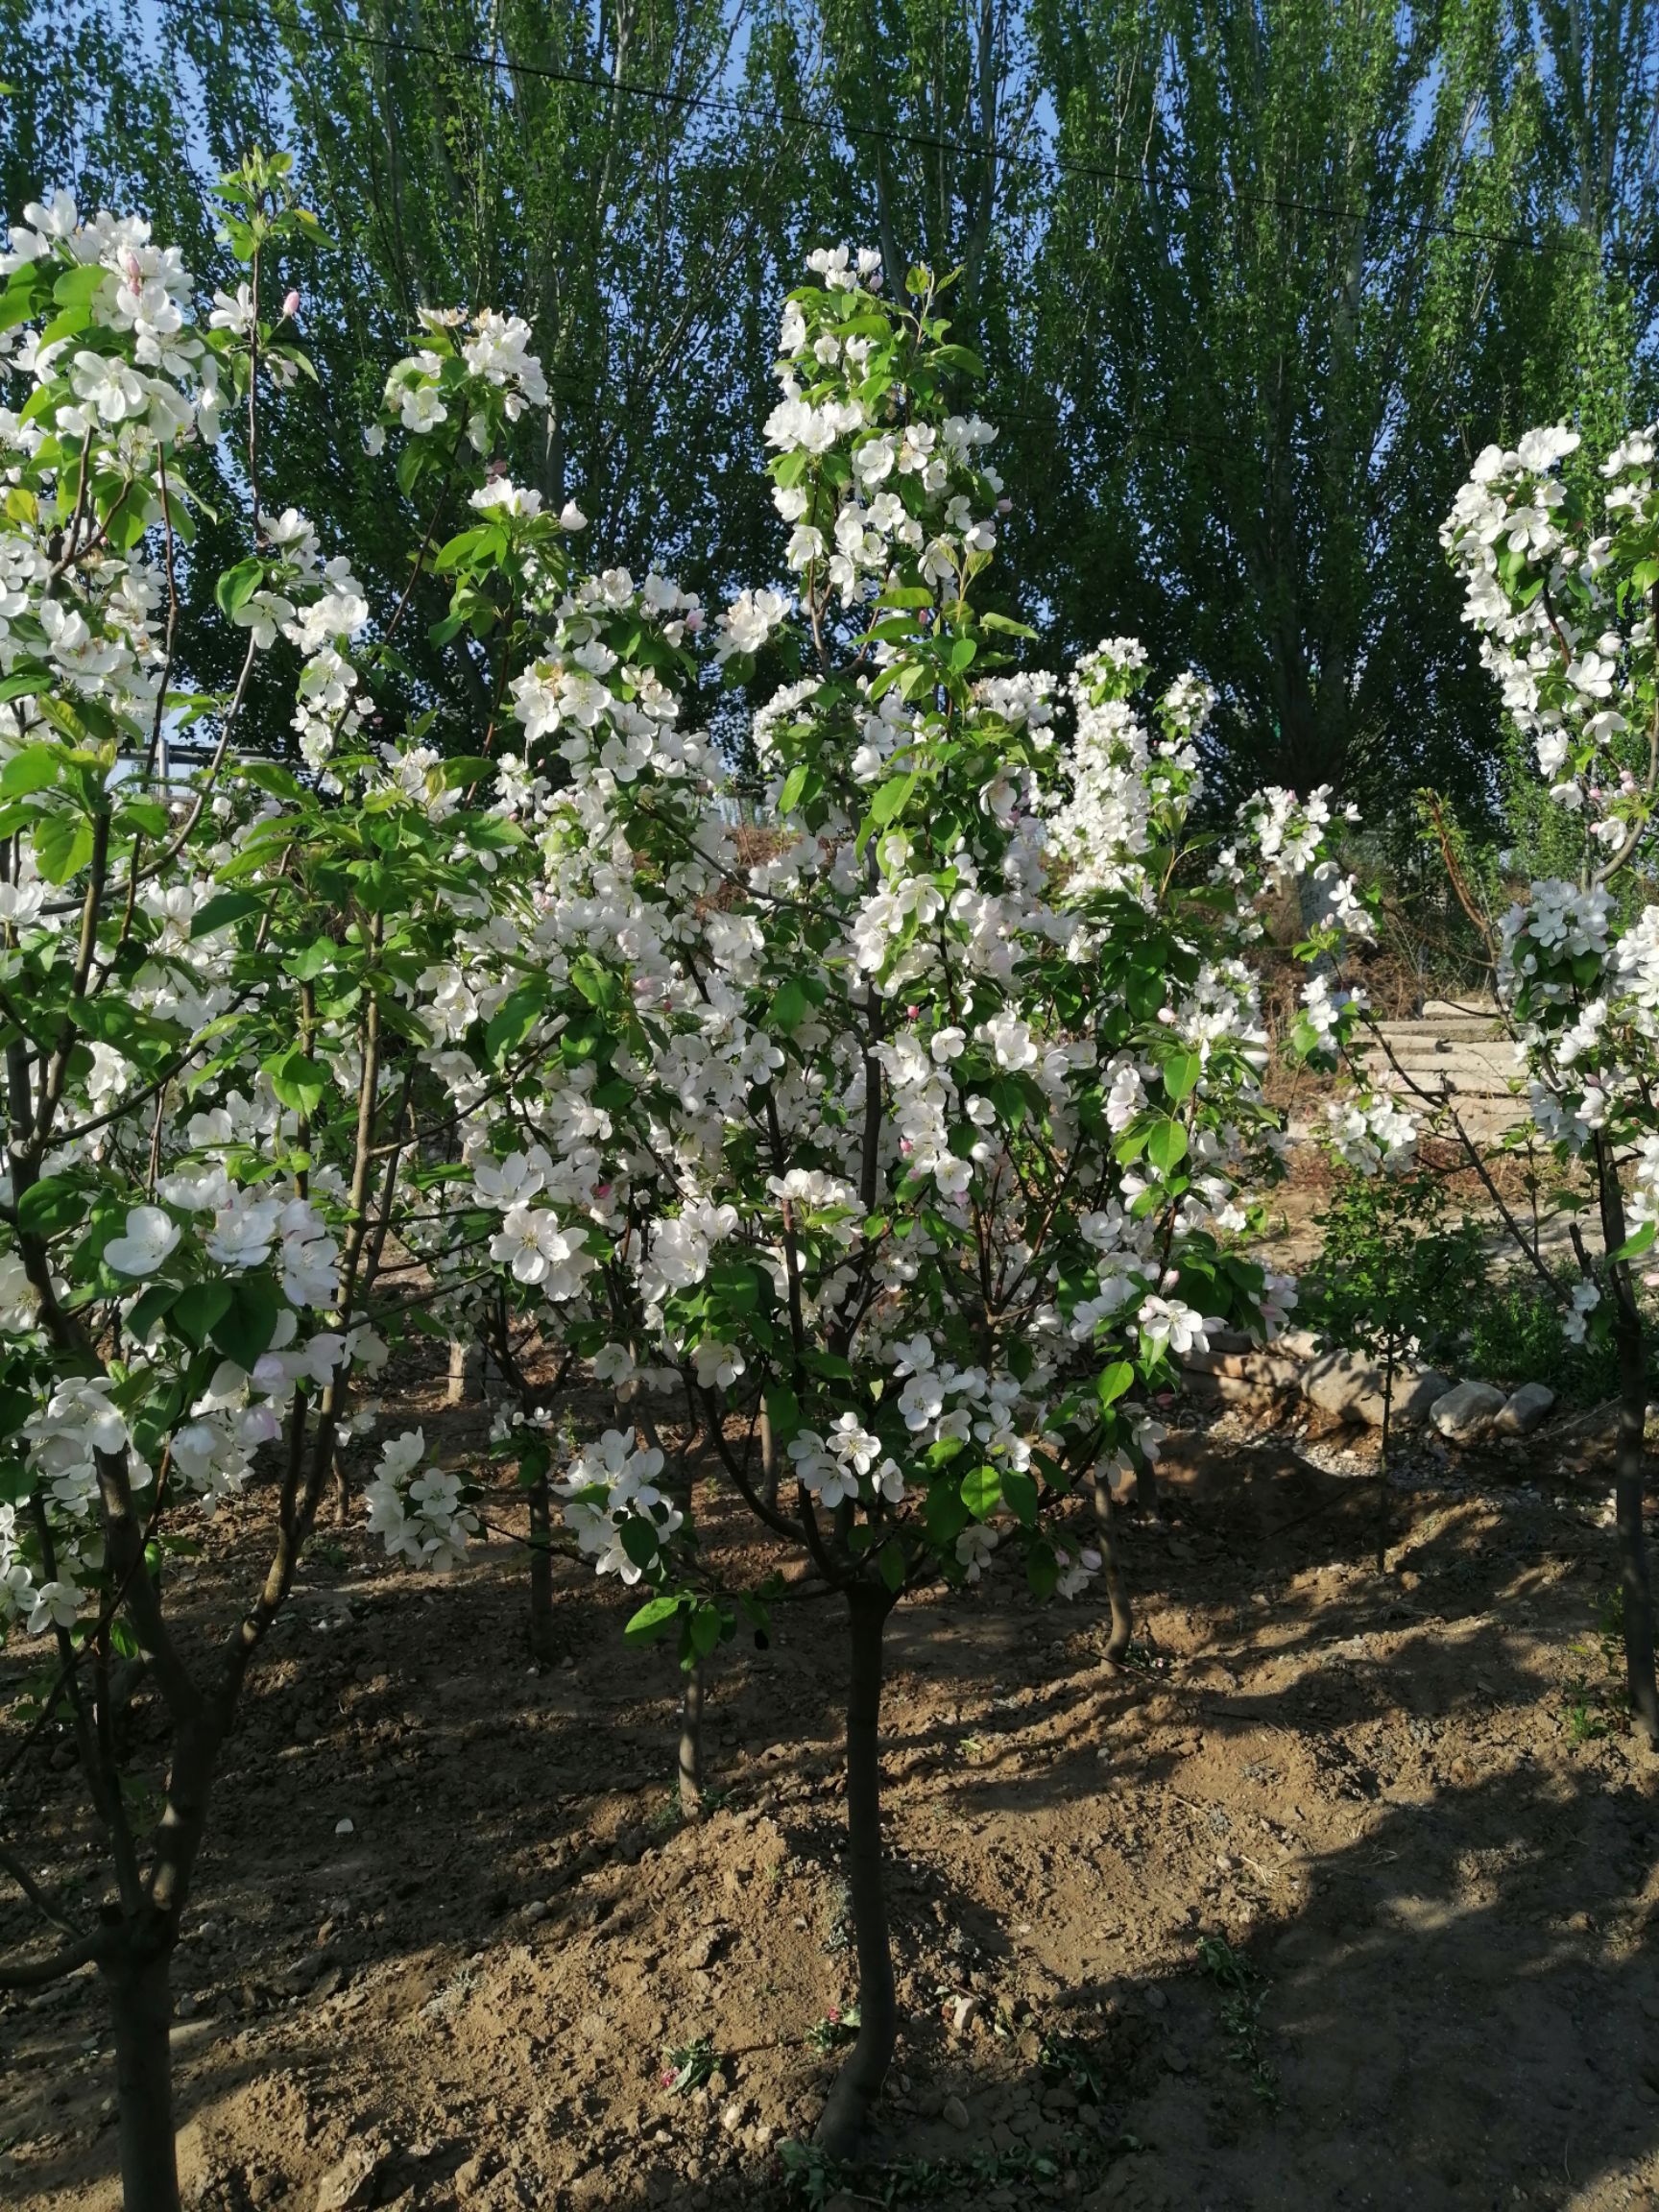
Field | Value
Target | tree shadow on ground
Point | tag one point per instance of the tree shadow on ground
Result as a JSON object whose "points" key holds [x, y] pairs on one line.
{"points": [[1435, 1924]]}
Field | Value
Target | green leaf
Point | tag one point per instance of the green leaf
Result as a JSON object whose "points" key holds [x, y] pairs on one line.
{"points": [[789, 1008], [244, 1330], [53, 1204], [653, 1621], [638, 1539], [890, 1559], [1166, 1146], [33, 769], [144, 1313], [705, 1626], [1020, 1493], [63, 846], [601, 986], [200, 1309], [735, 1285], [297, 1079], [311, 960], [962, 654], [783, 1414], [892, 799], [1111, 1382], [1181, 1071], [220, 910], [237, 586], [794, 784], [269, 778], [515, 1017], [981, 1491]]}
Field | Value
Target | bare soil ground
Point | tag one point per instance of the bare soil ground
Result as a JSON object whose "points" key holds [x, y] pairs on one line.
{"points": [[1336, 1898]]}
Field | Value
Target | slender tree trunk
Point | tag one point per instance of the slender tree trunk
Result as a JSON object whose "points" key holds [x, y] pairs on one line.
{"points": [[1122, 1624], [768, 1458], [1634, 1579], [542, 1642], [1382, 1462], [1146, 1488], [692, 1742], [342, 1490], [842, 2130], [141, 2006], [1630, 1343]]}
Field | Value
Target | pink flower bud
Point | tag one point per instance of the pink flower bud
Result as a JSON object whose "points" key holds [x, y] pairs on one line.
{"points": [[1005, 506], [290, 305], [694, 619]]}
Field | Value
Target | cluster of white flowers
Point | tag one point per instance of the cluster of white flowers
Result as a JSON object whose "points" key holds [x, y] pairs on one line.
{"points": [[746, 1068], [464, 353], [422, 1518], [1371, 1130]]}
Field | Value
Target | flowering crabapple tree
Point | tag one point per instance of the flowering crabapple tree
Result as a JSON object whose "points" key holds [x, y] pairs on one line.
{"points": [[228, 1004], [910, 1153], [1561, 575]]}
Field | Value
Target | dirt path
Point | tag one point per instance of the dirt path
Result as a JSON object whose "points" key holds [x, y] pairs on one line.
{"points": [[1328, 1905]]}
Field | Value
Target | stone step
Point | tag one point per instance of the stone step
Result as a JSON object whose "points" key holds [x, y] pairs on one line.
{"points": [[1480, 1077], [1450, 1032], [1455, 1009]]}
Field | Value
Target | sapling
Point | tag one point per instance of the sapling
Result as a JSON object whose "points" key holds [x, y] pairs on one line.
{"points": [[223, 995], [912, 1149], [1561, 572]]}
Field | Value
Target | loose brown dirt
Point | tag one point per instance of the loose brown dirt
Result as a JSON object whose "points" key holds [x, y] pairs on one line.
{"points": [[1337, 1897]]}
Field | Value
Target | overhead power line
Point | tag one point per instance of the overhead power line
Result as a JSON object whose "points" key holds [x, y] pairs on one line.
{"points": [[1053, 164]]}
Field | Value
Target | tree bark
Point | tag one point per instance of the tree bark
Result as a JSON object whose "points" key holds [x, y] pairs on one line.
{"points": [[1122, 1621], [843, 2128], [140, 2005], [543, 1644], [1634, 1579], [692, 1742], [1631, 1344]]}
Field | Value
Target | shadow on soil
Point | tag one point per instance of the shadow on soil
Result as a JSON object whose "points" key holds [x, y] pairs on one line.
{"points": [[1446, 1997]]}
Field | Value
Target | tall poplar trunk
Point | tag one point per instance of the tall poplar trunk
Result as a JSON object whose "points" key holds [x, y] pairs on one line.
{"points": [[842, 2130]]}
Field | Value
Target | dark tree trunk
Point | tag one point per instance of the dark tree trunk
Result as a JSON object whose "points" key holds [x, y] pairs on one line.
{"points": [[141, 2006], [692, 1742], [542, 1643], [1630, 1343], [842, 2130], [1122, 1624], [1382, 1462], [1634, 1580]]}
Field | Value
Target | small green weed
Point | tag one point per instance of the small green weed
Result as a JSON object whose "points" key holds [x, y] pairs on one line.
{"points": [[1070, 2059], [688, 2066], [835, 2029], [1242, 1994], [811, 2179], [1596, 1701]]}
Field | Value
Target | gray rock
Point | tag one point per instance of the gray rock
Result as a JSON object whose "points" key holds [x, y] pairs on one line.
{"points": [[1415, 1395], [1530, 1406], [1355, 1389], [1299, 1344], [954, 2114], [1466, 1413]]}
